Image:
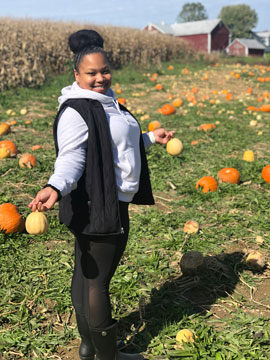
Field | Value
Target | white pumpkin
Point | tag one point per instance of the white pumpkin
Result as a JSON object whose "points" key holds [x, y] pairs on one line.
{"points": [[174, 147], [36, 223]]}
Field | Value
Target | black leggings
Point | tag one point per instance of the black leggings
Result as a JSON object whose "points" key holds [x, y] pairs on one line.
{"points": [[96, 259]]}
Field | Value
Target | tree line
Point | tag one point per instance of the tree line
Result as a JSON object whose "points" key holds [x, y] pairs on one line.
{"points": [[240, 19]]}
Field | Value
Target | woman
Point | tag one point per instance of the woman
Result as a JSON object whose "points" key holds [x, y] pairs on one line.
{"points": [[100, 168]]}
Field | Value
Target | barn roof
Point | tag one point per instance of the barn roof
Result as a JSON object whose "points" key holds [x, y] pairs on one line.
{"points": [[188, 28], [195, 27], [250, 43], [164, 28]]}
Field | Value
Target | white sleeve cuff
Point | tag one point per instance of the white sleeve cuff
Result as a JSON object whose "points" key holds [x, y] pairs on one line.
{"points": [[151, 137]]}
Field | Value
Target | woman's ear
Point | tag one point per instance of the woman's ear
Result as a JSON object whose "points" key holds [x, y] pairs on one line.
{"points": [[76, 74]]}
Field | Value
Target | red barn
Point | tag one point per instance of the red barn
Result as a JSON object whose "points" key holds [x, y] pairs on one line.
{"points": [[204, 35], [246, 47]]}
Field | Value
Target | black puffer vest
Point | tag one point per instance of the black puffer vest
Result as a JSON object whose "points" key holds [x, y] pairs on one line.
{"points": [[93, 207]]}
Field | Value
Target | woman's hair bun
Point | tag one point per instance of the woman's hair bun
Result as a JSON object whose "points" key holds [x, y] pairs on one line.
{"points": [[84, 38]]}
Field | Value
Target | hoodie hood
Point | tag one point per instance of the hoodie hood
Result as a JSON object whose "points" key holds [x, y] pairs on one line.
{"points": [[74, 91]]}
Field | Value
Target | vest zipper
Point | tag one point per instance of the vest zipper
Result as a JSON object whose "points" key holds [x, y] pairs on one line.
{"points": [[120, 111]]}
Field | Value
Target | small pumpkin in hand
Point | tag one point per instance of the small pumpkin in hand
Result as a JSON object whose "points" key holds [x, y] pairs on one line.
{"points": [[27, 161], [229, 175], [174, 147], [36, 223], [207, 183], [10, 219]]}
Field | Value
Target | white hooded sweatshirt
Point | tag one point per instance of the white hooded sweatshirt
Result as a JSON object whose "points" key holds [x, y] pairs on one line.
{"points": [[72, 136]]}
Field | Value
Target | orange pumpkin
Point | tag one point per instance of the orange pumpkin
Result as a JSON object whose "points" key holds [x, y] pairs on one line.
{"points": [[27, 160], [207, 127], [36, 147], [253, 108], [122, 101], [10, 219], [4, 129], [191, 98], [10, 145], [154, 77], [153, 125], [159, 87], [207, 183], [266, 173], [167, 109], [265, 108], [195, 89], [229, 175], [177, 102]]}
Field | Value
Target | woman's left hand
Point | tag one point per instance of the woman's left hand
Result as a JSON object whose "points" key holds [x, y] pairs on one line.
{"points": [[162, 136]]}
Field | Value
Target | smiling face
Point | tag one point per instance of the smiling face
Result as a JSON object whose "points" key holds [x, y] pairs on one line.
{"points": [[94, 73]]}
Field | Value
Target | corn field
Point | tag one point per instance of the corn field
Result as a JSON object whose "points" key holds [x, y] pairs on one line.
{"points": [[31, 49]]}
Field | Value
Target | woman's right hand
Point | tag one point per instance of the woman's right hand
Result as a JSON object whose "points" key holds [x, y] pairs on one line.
{"points": [[44, 200]]}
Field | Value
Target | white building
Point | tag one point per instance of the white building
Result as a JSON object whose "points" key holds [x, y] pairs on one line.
{"points": [[264, 37]]}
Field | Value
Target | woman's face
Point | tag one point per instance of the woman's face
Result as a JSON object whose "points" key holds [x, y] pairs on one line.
{"points": [[94, 73]]}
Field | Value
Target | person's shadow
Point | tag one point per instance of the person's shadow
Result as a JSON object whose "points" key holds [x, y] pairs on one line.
{"points": [[182, 297]]}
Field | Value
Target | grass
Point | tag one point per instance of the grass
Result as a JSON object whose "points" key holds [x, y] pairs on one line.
{"points": [[227, 309]]}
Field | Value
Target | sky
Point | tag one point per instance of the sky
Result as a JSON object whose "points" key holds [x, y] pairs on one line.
{"points": [[127, 13]]}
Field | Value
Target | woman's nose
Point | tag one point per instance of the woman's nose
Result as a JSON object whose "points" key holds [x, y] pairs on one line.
{"points": [[99, 77]]}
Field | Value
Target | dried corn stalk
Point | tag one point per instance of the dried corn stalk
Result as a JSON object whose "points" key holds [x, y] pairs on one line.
{"points": [[30, 50]]}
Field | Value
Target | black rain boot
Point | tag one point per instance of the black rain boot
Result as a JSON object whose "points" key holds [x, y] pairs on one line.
{"points": [[104, 341], [87, 349]]}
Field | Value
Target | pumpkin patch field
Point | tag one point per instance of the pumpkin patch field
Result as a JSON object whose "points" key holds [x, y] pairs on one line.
{"points": [[194, 282]]}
